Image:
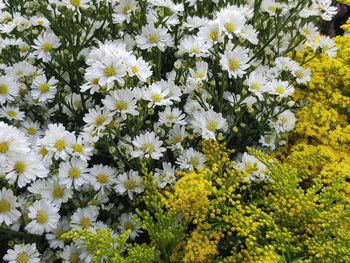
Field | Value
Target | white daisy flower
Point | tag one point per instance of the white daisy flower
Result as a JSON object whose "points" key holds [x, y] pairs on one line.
{"points": [[154, 37], [256, 83], [171, 116], [108, 70], [285, 122], [211, 32], [97, 119], [194, 47], [176, 136], [147, 145], [25, 168], [255, 170], [8, 204], [268, 140], [82, 148], [208, 123], [44, 216], [32, 129], [55, 237], [102, 177], [249, 33], [235, 62], [57, 141], [56, 192], [74, 173], [139, 68], [11, 113], [84, 217], [303, 75], [232, 22], [23, 253], [20, 70], [129, 183], [43, 89], [124, 10], [191, 159], [8, 89], [126, 223], [70, 254], [121, 101], [165, 176], [76, 4], [156, 95], [281, 88], [44, 45]]}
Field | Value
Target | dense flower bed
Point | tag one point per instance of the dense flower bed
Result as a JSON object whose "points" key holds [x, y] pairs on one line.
{"points": [[124, 128]]}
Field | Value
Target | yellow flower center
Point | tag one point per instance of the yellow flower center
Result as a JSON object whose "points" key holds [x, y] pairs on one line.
{"points": [[212, 126], [109, 72], [233, 64], [256, 86], [130, 184], [77, 148], [43, 152], [134, 70], [251, 167], [156, 97], [22, 258], [60, 145], [44, 87], [171, 117], [85, 222], [75, 3], [195, 50], [272, 8], [95, 81], [194, 161], [214, 35], [74, 258], [74, 173], [46, 47], [128, 226], [148, 148], [20, 167], [280, 90], [57, 192], [126, 9], [153, 39], [4, 147], [102, 178], [31, 131], [121, 105], [5, 206], [59, 234], [12, 113], [3, 89], [229, 27], [299, 74], [100, 120], [42, 217], [199, 75]]}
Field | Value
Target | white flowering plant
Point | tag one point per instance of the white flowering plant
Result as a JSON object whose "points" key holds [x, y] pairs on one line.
{"points": [[90, 89]]}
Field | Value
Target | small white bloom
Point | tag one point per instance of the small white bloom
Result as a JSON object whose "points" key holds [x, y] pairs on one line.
{"points": [[129, 183], [147, 145], [235, 62], [165, 176], [154, 37], [126, 223], [208, 123], [74, 172], [8, 205], [44, 45], [43, 89], [171, 116], [84, 217], [8, 89], [255, 170], [23, 253], [191, 159]]}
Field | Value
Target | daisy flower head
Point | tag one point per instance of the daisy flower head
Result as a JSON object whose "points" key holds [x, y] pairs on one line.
{"points": [[302, 75], [25, 168], [84, 217], [8, 204], [55, 237], [44, 45], [23, 253], [76, 4], [129, 183], [176, 136], [208, 123], [256, 83], [56, 192], [139, 68], [124, 10], [74, 173], [96, 120], [126, 223], [43, 89], [122, 102], [154, 37], [280, 88], [165, 176], [44, 217], [191, 159], [249, 33], [285, 121], [231, 21], [194, 46], [8, 89], [58, 141], [253, 168], [171, 116], [157, 95], [147, 145], [108, 70], [20, 70], [268, 140], [82, 148], [70, 254], [11, 113], [235, 62], [32, 129], [211, 33], [102, 177], [201, 71]]}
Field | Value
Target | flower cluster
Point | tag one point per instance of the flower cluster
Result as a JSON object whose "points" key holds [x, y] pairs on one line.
{"points": [[105, 104]]}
